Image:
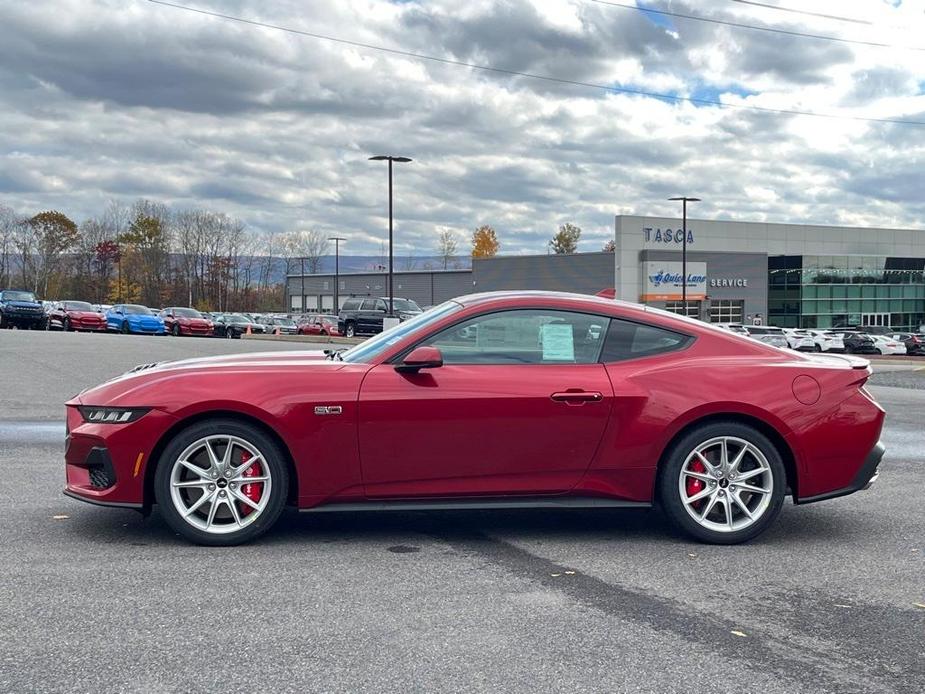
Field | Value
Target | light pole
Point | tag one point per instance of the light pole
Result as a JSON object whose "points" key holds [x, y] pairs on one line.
{"points": [[302, 278], [684, 200], [389, 158], [336, 240]]}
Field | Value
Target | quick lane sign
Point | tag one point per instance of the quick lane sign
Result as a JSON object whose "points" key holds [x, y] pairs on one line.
{"points": [[662, 281]]}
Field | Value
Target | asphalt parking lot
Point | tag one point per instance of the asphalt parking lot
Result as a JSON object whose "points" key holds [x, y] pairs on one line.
{"points": [[831, 599]]}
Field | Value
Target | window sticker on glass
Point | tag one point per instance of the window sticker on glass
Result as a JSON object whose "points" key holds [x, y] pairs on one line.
{"points": [[558, 342]]}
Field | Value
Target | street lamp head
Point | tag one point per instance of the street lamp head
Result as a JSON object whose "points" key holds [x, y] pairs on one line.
{"points": [[389, 157], [686, 199], [336, 238]]}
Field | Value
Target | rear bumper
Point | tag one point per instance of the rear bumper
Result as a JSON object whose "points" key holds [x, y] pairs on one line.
{"points": [[864, 479]]}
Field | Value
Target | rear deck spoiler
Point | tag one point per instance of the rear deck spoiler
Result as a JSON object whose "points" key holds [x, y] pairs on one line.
{"points": [[840, 359]]}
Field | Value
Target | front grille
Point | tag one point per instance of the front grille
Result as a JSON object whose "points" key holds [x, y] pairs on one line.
{"points": [[102, 474], [99, 478]]}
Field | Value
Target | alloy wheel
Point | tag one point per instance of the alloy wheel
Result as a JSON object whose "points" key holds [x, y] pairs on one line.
{"points": [[220, 484], [726, 484]]}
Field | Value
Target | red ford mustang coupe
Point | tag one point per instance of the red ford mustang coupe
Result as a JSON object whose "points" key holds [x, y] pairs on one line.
{"points": [[500, 400]]}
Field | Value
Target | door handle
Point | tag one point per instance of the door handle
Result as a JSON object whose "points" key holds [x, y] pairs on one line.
{"points": [[577, 397]]}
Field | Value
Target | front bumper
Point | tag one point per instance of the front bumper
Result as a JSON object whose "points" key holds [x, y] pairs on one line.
{"points": [[106, 464], [24, 317], [864, 479]]}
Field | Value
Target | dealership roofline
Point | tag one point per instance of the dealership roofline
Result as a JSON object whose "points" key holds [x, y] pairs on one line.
{"points": [[758, 222]]}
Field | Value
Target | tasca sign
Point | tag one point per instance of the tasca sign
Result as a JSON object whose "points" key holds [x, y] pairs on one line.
{"points": [[662, 281]]}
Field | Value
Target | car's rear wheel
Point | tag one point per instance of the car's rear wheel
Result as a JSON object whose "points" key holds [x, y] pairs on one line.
{"points": [[221, 482], [723, 483], [350, 330]]}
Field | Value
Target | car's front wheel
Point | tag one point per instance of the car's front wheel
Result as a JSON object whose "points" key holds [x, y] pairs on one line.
{"points": [[350, 330], [221, 482], [175, 330], [125, 328], [723, 483]]}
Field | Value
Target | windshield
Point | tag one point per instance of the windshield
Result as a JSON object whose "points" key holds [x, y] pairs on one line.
{"points": [[237, 318], [18, 296], [77, 306], [187, 313], [374, 346], [404, 305], [285, 321], [137, 310]]}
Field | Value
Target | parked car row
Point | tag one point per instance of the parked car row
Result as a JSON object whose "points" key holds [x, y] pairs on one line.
{"points": [[849, 340]]}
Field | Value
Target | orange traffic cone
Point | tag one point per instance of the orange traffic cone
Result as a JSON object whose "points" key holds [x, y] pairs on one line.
{"points": [[278, 331], [248, 331]]}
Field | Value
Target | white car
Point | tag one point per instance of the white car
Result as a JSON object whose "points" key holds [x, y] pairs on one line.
{"points": [[827, 340], [799, 339], [887, 345]]}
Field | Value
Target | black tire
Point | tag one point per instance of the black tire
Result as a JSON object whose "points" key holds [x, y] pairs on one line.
{"points": [[350, 329], [229, 333], [669, 494], [66, 324], [175, 330], [272, 455], [124, 329], [817, 348]]}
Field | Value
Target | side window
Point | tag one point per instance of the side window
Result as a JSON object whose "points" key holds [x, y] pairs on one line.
{"points": [[368, 305], [381, 305], [351, 305], [532, 336], [628, 340]]}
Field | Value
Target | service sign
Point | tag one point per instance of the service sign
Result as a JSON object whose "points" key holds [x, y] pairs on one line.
{"points": [[662, 281]]}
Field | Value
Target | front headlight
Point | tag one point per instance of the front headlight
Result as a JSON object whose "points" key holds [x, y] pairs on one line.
{"points": [[112, 415]]}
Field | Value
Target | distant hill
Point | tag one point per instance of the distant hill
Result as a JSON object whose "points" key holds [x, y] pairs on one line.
{"points": [[368, 263]]}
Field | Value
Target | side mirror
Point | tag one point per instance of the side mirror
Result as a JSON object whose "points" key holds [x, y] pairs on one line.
{"points": [[424, 357]]}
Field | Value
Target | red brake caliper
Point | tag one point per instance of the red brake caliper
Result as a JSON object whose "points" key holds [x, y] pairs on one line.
{"points": [[693, 484], [251, 491]]}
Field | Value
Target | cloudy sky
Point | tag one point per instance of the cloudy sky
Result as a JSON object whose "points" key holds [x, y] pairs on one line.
{"points": [[121, 99]]}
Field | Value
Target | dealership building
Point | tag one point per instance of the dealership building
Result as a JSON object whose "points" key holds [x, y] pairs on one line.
{"points": [[791, 275]]}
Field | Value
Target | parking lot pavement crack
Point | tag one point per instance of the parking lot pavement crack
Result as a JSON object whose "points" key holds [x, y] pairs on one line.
{"points": [[809, 663]]}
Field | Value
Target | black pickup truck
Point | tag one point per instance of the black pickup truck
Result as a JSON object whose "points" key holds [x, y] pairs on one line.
{"points": [[21, 309]]}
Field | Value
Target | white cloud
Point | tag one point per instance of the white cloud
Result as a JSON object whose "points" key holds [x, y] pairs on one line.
{"points": [[100, 99]]}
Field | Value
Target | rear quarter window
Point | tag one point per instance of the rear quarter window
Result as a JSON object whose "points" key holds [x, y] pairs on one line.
{"points": [[629, 340]]}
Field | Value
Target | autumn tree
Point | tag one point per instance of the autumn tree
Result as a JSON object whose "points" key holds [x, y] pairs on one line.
{"points": [[312, 245], [566, 240], [54, 234], [148, 238], [8, 223], [447, 246], [484, 242], [610, 247]]}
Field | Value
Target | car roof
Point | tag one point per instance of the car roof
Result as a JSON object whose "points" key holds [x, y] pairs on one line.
{"points": [[485, 297]]}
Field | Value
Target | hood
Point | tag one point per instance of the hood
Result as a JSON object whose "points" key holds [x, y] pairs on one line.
{"points": [[146, 374], [237, 361], [144, 318], [85, 314], [23, 304]]}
